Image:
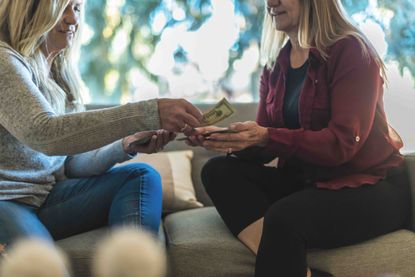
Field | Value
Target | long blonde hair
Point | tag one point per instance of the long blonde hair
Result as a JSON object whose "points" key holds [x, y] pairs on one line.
{"points": [[24, 25], [322, 23]]}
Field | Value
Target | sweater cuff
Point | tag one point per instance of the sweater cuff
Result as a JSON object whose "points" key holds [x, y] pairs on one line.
{"points": [[151, 110], [118, 152]]}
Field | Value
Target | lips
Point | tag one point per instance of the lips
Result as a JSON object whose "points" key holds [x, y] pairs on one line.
{"points": [[68, 32], [70, 29], [278, 13]]}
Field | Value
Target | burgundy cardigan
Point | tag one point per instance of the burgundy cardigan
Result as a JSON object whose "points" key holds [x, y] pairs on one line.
{"points": [[344, 139]]}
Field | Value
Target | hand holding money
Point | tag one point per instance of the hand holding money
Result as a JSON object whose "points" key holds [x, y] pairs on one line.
{"points": [[239, 136], [178, 115], [219, 112], [203, 133]]}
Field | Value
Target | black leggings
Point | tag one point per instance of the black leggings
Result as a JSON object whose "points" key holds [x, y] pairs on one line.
{"points": [[298, 216]]}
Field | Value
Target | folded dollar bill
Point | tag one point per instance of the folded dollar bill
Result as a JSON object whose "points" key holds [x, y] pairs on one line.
{"points": [[221, 111]]}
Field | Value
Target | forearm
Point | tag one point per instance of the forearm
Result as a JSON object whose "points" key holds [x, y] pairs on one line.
{"points": [[79, 132], [27, 115], [95, 162]]}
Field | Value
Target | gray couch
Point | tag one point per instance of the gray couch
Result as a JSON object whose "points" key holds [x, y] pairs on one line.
{"points": [[199, 244]]}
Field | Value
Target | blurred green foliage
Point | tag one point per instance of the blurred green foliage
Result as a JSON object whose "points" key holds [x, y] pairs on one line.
{"points": [[109, 19], [401, 34]]}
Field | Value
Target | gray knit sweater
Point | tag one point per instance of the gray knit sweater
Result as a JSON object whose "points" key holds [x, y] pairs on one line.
{"points": [[39, 147]]}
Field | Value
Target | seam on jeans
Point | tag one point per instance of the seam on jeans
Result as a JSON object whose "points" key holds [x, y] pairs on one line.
{"points": [[137, 219], [140, 214]]}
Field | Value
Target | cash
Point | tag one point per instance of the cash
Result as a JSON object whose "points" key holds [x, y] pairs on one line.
{"points": [[221, 111]]}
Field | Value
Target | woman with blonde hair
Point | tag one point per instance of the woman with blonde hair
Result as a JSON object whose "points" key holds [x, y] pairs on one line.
{"points": [[339, 179], [56, 176]]}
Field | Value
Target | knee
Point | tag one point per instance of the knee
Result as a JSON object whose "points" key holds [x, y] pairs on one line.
{"points": [[215, 171], [146, 176], [280, 221], [213, 165], [140, 170]]}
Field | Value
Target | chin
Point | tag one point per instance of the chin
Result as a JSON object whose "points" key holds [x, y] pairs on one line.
{"points": [[64, 47]]}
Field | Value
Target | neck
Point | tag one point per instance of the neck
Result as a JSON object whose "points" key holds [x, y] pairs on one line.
{"points": [[295, 44], [298, 55], [50, 56]]}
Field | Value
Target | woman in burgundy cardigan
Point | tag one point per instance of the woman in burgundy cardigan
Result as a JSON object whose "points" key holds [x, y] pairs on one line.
{"points": [[339, 179]]}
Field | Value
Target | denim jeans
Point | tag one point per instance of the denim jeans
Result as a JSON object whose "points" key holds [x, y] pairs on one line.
{"points": [[127, 195]]}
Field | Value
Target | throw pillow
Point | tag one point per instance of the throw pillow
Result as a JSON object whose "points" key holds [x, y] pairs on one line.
{"points": [[175, 168]]}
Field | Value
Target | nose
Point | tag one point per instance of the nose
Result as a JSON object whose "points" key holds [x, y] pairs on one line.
{"points": [[272, 6], [70, 16], [273, 3]]}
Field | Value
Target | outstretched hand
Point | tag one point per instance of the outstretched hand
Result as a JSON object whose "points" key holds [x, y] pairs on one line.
{"points": [[147, 141], [178, 115]]}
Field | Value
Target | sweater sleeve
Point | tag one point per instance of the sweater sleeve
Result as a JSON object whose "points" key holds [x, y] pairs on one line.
{"points": [[356, 86], [95, 162], [27, 115]]}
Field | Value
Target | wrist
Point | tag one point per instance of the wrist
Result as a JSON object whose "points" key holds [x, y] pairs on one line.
{"points": [[124, 145], [264, 137]]}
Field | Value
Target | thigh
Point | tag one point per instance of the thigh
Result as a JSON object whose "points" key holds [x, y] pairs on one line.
{"points": [[19, 221], [242, 191], [336, 218], [233, 175], [79, 205]]}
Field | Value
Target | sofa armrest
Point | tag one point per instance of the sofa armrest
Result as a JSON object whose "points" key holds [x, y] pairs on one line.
{"points": [[410, 167]]}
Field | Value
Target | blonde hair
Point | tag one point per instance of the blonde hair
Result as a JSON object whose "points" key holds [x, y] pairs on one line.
{"points": [[24, 25], [322, 23]]}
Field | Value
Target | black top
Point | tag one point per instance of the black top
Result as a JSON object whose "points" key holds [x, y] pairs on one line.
{"points": [[293, 86]]}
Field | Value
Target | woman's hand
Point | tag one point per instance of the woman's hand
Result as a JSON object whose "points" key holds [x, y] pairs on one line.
{"points": [[196, 136], [147, 141], [246, 134], [178, 115]]}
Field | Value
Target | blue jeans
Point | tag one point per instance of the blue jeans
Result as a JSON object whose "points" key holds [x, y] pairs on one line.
{"points": [[127, 195]]}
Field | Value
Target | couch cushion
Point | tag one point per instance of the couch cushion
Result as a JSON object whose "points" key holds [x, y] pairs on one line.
{"points": [[199, 244], [175, 168], [80, 249], [393, 253]]}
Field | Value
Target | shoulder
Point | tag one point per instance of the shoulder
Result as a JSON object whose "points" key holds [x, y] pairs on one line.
{"points": [[11, 60], [352, 52], [349, 46]]}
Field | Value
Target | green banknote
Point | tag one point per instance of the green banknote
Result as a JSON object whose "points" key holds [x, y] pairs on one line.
{"points": [[221, 111]]}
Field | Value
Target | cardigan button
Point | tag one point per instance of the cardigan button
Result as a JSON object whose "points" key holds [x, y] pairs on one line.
{"points": [[357, 138], [315, 82]]}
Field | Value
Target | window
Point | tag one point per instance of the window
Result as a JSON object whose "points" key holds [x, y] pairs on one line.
{"points": [[203, 50]]}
